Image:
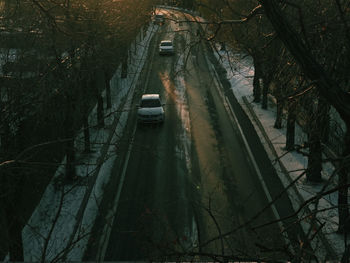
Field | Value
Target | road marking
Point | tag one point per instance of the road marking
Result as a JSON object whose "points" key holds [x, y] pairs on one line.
{"points": [[234, 119], [262, 181], [110, 217], [101, 251]]}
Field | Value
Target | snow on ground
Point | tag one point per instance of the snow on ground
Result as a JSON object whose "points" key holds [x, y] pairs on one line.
{"points": [[64, 205], [59, 227], [240, 73]]}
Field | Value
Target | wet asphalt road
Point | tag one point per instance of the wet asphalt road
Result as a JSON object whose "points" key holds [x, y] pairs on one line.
{"points": [[188, 180]]}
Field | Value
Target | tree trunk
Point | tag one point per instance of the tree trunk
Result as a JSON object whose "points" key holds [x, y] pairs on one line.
{"points": [[108, 89], [85, 116], [279, 106], [5, 136], [346, 255], [124, 71], [314, 165], [12, 177], [70, 164], [279, 114], [314, 162], [100, 115], [256, 84], [290, 136], [4, 229], [343, 211], [222, 46], [135, 45], [96, 82], [329, 89], [5, 185], [141, 32], [86, 128], [15, 230], [69, 144], [325, 120], [265, 87]]}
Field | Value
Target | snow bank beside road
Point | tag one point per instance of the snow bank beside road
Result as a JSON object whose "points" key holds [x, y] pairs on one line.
{"points": [[240, 74], [50, 233]]}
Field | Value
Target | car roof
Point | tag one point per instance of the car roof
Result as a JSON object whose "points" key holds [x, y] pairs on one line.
{"points": [[150, 96], [166, 41]]}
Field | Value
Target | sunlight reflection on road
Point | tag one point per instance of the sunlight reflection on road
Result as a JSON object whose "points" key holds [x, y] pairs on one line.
{"points": [[176, 94]]}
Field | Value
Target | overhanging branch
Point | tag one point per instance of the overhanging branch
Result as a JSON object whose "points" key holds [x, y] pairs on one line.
{"points": [[328, 87]]}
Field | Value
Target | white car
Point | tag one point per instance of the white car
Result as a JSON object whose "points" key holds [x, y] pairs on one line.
{"points": [[150, 109], [166, 47]]}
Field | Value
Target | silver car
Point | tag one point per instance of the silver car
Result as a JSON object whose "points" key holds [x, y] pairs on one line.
{"points": [[166, 47], [150, 109]]}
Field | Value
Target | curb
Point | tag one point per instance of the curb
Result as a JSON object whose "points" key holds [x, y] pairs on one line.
{"points": [[100, 161], [327, 245], [236, 125], [106, 231], [325, 242], [102, 157]]}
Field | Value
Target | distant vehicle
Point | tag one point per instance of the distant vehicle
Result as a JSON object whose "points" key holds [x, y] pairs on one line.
{"points": [[159, 18], [166, 47], [150, 109]]}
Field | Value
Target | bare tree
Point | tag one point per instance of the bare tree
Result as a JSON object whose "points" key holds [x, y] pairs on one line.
{"points": [[308, 32], [329, 87], [41, 106]]}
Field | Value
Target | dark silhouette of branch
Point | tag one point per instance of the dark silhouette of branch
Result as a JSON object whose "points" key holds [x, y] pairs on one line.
{"points": [[328, 88]]}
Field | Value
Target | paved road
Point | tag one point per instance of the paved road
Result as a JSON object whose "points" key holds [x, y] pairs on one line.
{"points": [[189, 180]]}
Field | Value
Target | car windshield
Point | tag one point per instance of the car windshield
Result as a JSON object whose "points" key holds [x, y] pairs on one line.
{"points": [[166, 44], [151, 103]]}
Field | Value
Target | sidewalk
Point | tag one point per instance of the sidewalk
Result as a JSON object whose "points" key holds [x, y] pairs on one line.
{"points": [[60, 226], [288, 165]]}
